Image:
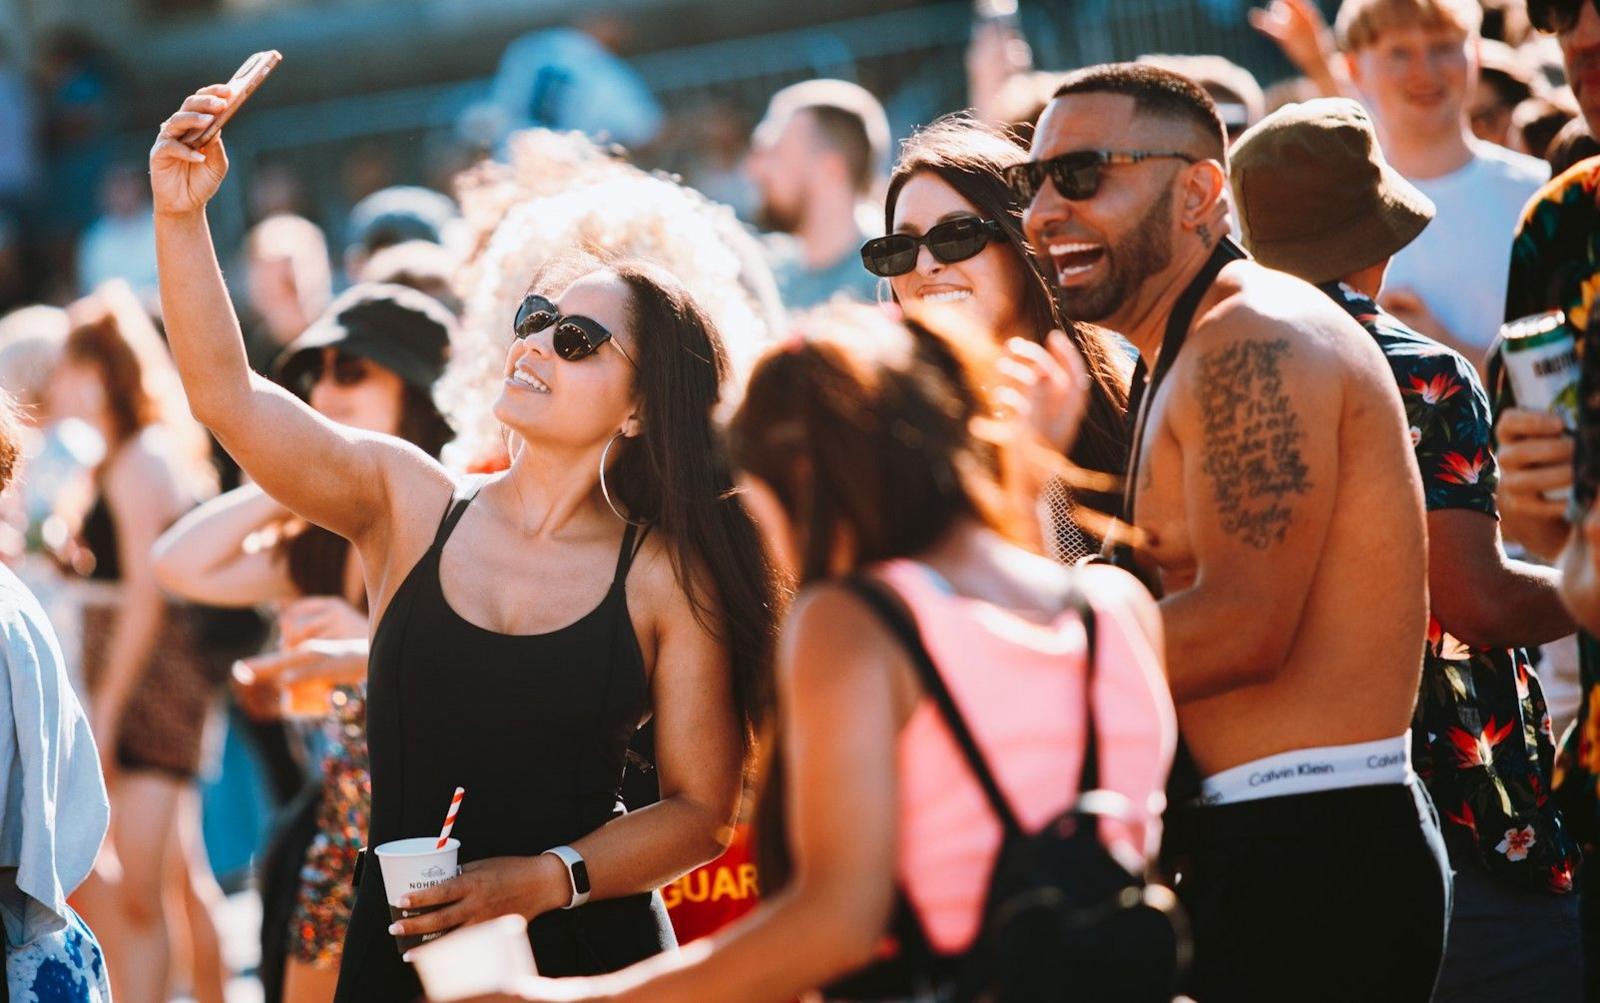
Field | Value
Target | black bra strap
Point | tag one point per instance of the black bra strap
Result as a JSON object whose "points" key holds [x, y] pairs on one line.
{"points": [[459, 500]]}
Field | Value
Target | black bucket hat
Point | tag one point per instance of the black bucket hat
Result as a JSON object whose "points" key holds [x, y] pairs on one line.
{"points": [[401, 329]]}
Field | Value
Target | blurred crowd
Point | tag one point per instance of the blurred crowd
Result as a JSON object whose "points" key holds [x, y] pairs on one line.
{"points": [[190, 595]]}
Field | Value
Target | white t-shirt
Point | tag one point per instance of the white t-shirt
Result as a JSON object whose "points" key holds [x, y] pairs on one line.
{"points": [[1459, 263]]}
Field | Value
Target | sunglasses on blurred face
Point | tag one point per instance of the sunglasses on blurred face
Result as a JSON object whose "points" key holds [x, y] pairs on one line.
{"points": [[346, 371], [574, 338], [1558, 16], [949, 242], [1078, 175]]}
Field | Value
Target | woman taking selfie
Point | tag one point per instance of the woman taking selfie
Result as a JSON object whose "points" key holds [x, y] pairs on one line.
{"points": [[526, 623]]}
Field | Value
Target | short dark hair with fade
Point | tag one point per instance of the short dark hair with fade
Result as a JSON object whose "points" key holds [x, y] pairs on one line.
{"points": [[1155, 91], [848, 119], [844, 131]]}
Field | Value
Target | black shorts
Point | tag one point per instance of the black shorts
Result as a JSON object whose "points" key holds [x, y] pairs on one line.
{"points": [[1337, 895]]}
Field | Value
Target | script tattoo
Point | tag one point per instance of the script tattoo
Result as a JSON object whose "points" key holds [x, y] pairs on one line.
{"points": [[1252, 440], [1205, 235]]}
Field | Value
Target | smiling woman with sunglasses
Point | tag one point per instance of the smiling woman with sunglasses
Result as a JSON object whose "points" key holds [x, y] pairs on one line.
{"points": [[528, 622], [948, 196]]}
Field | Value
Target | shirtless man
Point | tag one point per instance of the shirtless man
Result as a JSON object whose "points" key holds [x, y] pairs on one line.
{"points": [[1281, 516]]}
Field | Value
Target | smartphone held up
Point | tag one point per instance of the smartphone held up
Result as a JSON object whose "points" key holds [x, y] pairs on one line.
{"points": [[244, 83]]}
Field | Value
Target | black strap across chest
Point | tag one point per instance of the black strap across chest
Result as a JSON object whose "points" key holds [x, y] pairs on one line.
{"points": [[1147, 382]]}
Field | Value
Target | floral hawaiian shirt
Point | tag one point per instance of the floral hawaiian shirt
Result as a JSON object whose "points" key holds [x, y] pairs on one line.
{"points": [[1555, 263], [1480, 735]]}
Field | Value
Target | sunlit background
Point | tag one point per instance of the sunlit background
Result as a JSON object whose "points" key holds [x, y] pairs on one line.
{"points": [[377, 92]]}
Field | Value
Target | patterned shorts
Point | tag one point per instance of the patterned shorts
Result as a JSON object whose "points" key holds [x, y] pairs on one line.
{"points": [[163, 725], [322, 908]]}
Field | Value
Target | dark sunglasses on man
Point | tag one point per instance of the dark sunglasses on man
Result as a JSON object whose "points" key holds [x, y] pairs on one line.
{"points": [[574, 338], [949, 242], [1077, 175], [1558, 16], [346, 371]]}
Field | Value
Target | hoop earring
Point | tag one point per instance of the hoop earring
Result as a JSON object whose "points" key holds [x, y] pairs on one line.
{"points": [[604, 491]]}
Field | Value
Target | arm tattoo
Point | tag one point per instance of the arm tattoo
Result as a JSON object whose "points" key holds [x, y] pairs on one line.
{"points": [[1252, 439]]}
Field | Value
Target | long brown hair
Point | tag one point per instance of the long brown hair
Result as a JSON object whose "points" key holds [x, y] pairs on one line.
{"points": [[675, 476], [111, 333], [864, 429], [969, 156]]}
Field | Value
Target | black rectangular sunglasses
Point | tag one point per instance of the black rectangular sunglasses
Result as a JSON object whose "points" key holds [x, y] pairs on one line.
{"points": [[574, 338], [1077, 175], [951, 241], [1557, 16]]}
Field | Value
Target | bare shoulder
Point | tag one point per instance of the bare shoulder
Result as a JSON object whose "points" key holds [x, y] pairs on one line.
{"points": [[666, 600], [417, 488], [1266, 336], [653, 578], [408, 470], [143, 470], [830, 630], [1260, 304]]}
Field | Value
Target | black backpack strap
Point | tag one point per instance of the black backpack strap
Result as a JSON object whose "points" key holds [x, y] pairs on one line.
{"points": [[1089, 772], [893, 615]]}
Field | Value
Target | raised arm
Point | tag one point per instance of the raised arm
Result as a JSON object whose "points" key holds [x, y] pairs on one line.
{"points": [[1257, 417], [209, 555], [334, 476]]}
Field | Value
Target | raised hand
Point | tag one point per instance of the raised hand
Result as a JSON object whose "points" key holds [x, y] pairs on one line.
{"points": [[1300, 30], [183, 180], [1046, 387], [1535, 456], [1297, 26]]}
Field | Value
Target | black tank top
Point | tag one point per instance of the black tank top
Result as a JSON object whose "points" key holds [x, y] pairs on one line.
{"points": [[535, 727], [99, 537]]}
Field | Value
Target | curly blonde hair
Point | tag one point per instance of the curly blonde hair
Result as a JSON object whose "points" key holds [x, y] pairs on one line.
{"points": [[559, 192]]}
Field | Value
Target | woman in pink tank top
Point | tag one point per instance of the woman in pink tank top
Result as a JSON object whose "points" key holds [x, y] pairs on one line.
{"points": [[859, 457]]}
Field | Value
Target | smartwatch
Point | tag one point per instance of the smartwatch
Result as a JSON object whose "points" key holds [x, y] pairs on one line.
{"points": [[577, 874]]}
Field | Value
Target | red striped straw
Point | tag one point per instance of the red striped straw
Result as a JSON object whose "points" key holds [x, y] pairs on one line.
{"points": [[450, 816]]}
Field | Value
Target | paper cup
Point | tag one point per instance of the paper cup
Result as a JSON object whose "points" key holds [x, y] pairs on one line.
{"points": [[410, 865], [475, 960]]}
